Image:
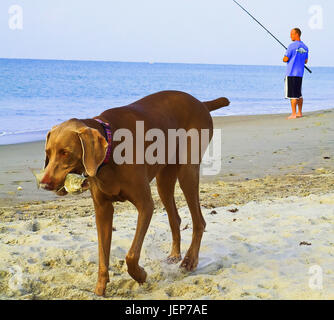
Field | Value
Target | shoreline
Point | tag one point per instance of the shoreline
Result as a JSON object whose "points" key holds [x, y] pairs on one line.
{"points": [[237, 117]]}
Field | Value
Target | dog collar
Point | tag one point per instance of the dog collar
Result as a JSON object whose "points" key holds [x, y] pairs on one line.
{"points": [[107, 131]]}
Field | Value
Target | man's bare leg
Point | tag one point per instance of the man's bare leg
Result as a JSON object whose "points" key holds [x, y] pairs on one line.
{"points": [[293, 107], [300, 107]]}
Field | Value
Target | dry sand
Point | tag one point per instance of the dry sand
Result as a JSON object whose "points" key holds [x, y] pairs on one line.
{"points": [[278, 174]]}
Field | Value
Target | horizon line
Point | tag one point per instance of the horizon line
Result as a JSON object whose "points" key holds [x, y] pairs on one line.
{"points": [[155, 62]]}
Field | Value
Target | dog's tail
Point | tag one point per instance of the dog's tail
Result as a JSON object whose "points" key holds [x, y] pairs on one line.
{"points": [[217, 103]]}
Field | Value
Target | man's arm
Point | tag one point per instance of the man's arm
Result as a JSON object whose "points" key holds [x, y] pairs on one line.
{"points": [[288, 54], [306, 61]]}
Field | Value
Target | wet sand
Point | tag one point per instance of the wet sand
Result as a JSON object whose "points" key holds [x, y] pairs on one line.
{"points": [[269, 215]]}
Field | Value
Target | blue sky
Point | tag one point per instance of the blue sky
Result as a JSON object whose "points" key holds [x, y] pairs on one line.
{"points": [[188, 31]]}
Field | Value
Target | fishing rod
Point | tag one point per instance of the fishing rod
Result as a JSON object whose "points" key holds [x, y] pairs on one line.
{"points": [[266, 30]]}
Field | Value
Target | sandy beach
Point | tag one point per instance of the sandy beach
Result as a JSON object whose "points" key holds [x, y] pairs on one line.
{"points": [[269, 214]]}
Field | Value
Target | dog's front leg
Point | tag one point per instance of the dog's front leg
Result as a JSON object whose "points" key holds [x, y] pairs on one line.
{"points": [[104, 212]]}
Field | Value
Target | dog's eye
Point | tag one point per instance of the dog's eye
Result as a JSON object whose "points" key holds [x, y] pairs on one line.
{"points": [[64, 153]]}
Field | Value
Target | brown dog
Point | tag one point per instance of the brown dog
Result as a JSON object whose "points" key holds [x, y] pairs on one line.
{"points": [[80, 146]]}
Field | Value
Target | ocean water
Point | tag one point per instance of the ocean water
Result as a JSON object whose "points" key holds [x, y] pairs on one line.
{"points": [[37, 94]]}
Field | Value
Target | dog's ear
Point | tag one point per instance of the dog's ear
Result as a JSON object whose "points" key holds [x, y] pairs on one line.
{"points": [[46, 142], [94, 149]]}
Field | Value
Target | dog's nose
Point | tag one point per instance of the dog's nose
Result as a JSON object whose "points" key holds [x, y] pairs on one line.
{"points": [[46, 183], [47, 186]]}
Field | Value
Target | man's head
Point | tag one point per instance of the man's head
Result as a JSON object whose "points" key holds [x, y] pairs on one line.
{"points": [[295, 34]]}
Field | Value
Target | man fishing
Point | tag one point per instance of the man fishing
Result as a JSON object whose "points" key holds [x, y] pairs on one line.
{"points": [[296, 57]]}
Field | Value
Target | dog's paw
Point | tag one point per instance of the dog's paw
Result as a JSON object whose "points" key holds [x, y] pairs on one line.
{"points": [[100, 290], [173, 259], [101, 284], [139, 274], [189, 263]]}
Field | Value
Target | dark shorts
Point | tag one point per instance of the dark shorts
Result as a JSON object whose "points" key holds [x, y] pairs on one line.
{"points": [[293, 87]]}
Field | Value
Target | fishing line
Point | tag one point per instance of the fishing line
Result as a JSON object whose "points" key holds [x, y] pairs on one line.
{"points": [[266, 30]]}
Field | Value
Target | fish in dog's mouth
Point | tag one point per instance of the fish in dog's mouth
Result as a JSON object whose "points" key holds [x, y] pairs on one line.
{"points": [[74, 183]]}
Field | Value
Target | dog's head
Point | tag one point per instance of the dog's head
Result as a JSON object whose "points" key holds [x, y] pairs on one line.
{"points": [[71, 147]]}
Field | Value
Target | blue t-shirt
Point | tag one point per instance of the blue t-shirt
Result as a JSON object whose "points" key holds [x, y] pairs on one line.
{"points": [[297, 53]]}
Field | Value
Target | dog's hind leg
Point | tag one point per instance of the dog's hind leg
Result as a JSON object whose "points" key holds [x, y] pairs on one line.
{"points": [[144, 204], [188, 176], [166, 180]]}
